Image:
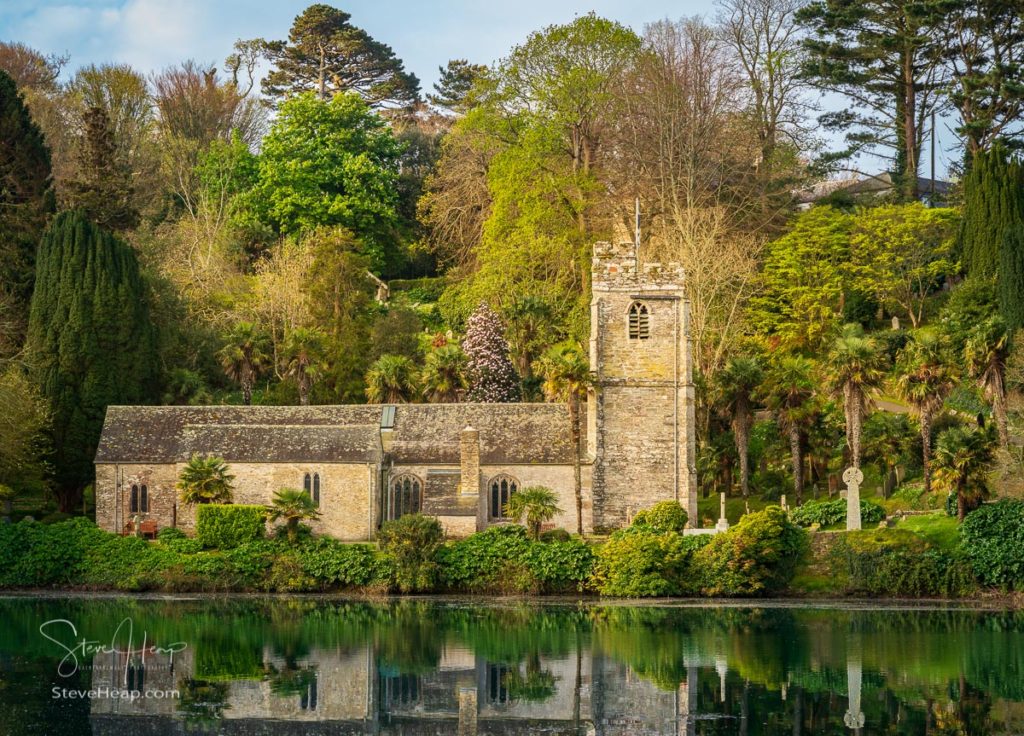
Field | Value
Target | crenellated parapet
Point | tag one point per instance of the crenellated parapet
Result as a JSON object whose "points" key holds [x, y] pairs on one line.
{"points": [[616, 266]]}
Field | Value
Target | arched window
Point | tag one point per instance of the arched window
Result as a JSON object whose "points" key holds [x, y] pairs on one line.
{"points": [[639, 321], [404, 496], [502, 488], [144, 499], [133, 503], [307, 483], [316, 489]]}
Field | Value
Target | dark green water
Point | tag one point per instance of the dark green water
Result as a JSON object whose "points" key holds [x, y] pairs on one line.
{"points": [[291, 666]]}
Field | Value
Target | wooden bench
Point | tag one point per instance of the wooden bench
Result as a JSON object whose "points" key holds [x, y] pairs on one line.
{"points": [[147, 529]]}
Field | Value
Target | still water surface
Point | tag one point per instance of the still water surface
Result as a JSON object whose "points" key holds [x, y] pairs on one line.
{"points": [[309, 666]]}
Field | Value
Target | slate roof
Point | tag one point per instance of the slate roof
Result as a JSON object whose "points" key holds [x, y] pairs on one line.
{"points": [[424, 434]]}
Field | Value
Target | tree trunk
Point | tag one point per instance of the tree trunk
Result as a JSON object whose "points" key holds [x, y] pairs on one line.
{"points": [[741, 432], [798, 462], [999, 410], [247, 392], [303, 389], [577, 481], [855, 427], [926, 450]]}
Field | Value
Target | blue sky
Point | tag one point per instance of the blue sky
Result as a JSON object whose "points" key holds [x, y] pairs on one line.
{"points": [[153, 34]]}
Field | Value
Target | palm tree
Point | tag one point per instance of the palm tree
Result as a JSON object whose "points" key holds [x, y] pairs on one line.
{"points": [[537, 503], [293, 506], [924, 379], [529, 325], [205, 480], [391, 380], [304, 360], [962, 456], [886, 438], [243, 356], [737, 382], [854, 368], [986, 353], [566, 375], [444, 374], [788, 390]]}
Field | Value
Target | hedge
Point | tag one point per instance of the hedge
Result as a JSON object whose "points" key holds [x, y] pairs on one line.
{"points": [[223, 526], [828, 513], [992, 538]]}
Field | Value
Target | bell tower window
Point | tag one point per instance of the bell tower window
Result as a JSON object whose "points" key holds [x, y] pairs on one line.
{"points": [[639, 321]]}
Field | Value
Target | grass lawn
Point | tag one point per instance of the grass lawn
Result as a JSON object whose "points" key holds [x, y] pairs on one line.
{"points": [[939, 529]]}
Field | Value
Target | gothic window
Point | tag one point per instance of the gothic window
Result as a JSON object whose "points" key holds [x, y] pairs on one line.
{"points": [[144, 499], [139, 500], [404, 496], [639, 321], [136, 676], [497, 684], [502, 488], [307, 483], [311, 485]]}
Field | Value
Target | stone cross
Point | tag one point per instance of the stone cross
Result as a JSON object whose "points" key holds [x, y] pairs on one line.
{"points": [[723, 523], [853, 477], [854, 716]]}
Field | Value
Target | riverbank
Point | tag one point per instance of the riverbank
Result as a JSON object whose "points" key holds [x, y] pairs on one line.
{"points": [[763, 556]]}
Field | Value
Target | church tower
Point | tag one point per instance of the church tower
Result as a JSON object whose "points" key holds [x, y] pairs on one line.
{"points": [[640, 411]]}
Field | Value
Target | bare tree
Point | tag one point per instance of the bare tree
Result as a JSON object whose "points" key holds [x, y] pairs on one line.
{"points": [[765, 40]]}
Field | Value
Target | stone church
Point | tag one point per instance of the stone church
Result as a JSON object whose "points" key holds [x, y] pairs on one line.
{"points": [[365, 464]]}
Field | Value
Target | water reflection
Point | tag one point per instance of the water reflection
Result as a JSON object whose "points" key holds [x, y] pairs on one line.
{"points": [[415, 667]]}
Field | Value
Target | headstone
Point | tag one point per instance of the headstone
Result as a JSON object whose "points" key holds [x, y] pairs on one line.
{"points": [[853, 477], [783, 503], [895, 322], [723, 523]]}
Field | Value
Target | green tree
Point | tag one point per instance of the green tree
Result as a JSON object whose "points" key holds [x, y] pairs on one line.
{"points": [[787, 392], [90, 341], [962, 457], [901, 253], [391, 380], [887, 438], [986, 354], [537, 503], [243, 356], [26, 198], [452, 89], [348, 176], [1011, 277], [984, 42], [443, 379], [328, 55], [924, 378], [531, 329], [801, 286], [853, 367], [304, 360], [293, 506], [103, 187], [885, 56], [738, 382], [993, 202], [24, 446], [566, 374], [205, 479]]}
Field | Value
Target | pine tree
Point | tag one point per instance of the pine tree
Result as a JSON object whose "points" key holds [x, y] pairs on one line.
{"points": [[488, 367], [26, 196], [103, 188], [455, 84], [1011, 278], [993, 202], [90, 341]]}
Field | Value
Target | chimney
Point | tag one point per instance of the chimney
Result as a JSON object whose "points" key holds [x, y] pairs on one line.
{"points": [[469, 462]]}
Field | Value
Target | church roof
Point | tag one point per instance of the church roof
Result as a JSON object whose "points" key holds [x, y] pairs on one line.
{"points": [[423, 433]]}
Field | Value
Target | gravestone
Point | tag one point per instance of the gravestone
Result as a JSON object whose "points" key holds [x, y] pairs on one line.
{"points": [[723, 523], [853, 477]]}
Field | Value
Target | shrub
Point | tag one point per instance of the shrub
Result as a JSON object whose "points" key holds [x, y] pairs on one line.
{"points": [[894, 562], [827, 513], [757, 556], [555, 535], [561, 567], [993, 542], [665, 516], [336, 564], [412, 542], [484, 561], [228, 525], [639, 563]]}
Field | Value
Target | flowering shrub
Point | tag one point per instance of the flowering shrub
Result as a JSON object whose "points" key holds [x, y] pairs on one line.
{"points": [[491, 375]]}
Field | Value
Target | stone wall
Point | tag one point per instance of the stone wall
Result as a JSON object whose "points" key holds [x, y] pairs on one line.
{"points": [[348, 493]]}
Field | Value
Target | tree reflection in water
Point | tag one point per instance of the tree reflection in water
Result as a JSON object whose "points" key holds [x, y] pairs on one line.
{"points": [[412, 666]]}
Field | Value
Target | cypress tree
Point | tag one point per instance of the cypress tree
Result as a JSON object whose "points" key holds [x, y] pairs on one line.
{"points": [[26, 196], [90, 341], [1011, 278], [993, 202]]}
